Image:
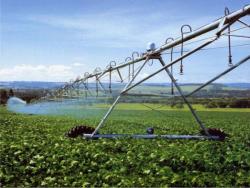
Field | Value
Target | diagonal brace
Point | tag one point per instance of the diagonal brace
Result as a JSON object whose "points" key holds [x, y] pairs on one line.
{"points": [[117, 100], [220, 75], [184, 98]]}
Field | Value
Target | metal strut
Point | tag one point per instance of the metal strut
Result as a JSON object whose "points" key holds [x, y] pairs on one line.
{"points": [[182, 43], [133, 58], [86, 84], [109, 67], [120, 75], [129, 67], [96, 85], [227, 12], [184, 98], [98, 82], [171, 59], [117, 99]]}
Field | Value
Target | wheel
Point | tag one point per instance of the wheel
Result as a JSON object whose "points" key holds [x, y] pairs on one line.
{"points": [[79, 130]]}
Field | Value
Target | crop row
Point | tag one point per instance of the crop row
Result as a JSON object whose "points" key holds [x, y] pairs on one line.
{"points": [[35, 152]]}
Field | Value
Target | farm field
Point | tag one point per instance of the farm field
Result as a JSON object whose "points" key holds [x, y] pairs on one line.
{"points": [[159, 107], [124, 93], [35, 152]]}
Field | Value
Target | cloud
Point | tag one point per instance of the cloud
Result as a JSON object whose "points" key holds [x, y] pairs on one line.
{"points": [[110, 29], [76, 64], [120, 29], [28, 72]]}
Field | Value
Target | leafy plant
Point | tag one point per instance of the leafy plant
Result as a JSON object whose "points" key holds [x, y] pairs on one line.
{"points": [[35, 152]]}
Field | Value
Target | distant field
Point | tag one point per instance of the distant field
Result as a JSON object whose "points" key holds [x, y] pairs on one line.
{"points": [[79, 109], [165, 89], [160, 107], [34, 151]]}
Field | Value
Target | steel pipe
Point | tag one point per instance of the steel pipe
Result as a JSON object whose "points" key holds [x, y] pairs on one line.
{"points": [[229, 19], [151, 136]]}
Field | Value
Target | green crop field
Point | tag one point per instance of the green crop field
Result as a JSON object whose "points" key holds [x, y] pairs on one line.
{"points": [[35, 152]]}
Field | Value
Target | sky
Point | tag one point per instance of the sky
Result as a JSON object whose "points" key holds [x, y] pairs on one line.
{"points": [[58, 40]]}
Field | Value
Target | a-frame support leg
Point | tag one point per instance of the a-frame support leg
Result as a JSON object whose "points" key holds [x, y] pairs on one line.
{"points": [[117, 100], [184, 98]]}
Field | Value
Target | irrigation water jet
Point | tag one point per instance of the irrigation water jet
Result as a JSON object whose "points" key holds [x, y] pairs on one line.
{"points": [[79, 108]]}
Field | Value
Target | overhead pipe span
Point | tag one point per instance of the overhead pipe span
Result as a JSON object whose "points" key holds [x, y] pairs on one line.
{"points": [[228, 19]]}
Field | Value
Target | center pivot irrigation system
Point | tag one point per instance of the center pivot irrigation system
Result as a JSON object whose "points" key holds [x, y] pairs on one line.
{"points": [[219, 28]]}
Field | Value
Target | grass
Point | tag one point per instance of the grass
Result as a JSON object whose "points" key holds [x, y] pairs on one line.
{"points": [[35, 152], [198, 107]]}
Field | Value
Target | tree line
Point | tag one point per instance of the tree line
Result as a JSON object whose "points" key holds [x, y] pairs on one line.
{"points": [[24, 94]]}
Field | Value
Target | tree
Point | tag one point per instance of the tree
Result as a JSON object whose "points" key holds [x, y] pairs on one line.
{"points": [[3, 97], [11, 93]]}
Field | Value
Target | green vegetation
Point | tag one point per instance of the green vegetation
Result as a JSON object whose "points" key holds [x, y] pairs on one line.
{"points": [[3, 97], [228, 103], [35, 152], [197, 107]]}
